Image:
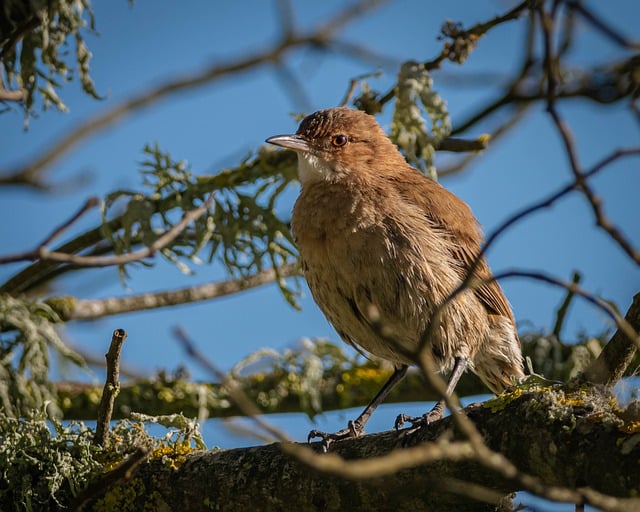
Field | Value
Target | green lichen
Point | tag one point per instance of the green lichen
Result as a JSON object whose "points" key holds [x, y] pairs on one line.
{"points": [[63, 305], [45, 465]]}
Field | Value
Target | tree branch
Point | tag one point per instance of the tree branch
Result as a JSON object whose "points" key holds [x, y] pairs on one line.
{"points": [[43, 254], [70, 308], [339, 388], [552, 68], [568, 464]]}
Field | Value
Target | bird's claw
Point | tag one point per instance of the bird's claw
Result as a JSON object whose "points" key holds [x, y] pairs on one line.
{"points": [[403, 418], [352, 431], [417, 423]]}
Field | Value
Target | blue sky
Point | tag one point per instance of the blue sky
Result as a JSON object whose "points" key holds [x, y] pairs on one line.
{"points": [[216, 125]]}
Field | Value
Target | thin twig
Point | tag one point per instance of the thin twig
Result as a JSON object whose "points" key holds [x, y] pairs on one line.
{"points": [[235, 392], [375, 467], [348, 96], [92, 202], [456, 145], [284, 10], [603, 27], [295, 87], [623, 325], [564, 307], [15, 95], [111, 387], [552, 67], [594, 201]]}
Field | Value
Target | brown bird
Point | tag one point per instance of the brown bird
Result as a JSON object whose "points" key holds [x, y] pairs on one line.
{"points": [[382, 246]]}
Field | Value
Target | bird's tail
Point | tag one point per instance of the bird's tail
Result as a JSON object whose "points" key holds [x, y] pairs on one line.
{"points": [[499, 362]]}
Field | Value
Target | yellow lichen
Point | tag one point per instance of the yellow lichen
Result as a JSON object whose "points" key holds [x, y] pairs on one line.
{"points": [[166, 395], [120, 497], [631, 427], [501, 401], [173, 456], [576, 399]]}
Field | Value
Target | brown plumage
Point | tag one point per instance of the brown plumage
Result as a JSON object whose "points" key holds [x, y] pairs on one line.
{"points": [[377, 236]]}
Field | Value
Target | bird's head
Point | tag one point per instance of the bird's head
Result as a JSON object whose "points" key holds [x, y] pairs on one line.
{"points": [[338, 143]]}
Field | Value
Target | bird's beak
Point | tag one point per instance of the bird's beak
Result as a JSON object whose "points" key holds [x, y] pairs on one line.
{"points": [[294, 142]]}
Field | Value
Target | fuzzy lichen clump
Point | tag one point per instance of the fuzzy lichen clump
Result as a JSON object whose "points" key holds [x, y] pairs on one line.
{"points": [[45, 465]]}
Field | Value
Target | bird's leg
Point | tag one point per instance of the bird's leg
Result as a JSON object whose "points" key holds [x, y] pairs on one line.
{"points": [[438, 410], [356, 428]]}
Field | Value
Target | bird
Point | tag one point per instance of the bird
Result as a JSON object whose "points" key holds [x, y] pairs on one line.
{"points": [[382, 247]]}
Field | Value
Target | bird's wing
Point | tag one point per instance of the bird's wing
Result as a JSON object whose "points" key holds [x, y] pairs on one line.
{"points": [[454, 218]]}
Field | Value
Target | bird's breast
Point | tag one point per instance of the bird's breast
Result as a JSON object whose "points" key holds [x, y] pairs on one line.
{"points": [[357, 256]]}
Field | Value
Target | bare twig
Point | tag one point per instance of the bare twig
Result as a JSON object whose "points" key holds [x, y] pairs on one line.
{"points": [[232, 388], [603, 27], [375, 467], [564, 307], [348, 96], [17, 95], [284, 9], [71, 309], [295, 87], [552, 67], [111, 387], [594, 201], [623, 325], [353, 85], [456, 145]]}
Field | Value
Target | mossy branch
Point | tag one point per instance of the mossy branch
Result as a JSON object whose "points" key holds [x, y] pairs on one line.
{"points": [[568, 445]]}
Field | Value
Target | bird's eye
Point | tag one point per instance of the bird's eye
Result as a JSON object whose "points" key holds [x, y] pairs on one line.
{"points": [[339, 140]]}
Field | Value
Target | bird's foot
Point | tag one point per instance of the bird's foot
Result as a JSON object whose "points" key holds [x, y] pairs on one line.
{"points": [[416, 423], [353, 430]]}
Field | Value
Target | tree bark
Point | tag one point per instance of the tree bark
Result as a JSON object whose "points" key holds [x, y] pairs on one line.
{"points": [[573, 439]]}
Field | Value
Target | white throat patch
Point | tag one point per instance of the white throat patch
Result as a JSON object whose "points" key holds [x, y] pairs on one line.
{"points": [[311, 168]]}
